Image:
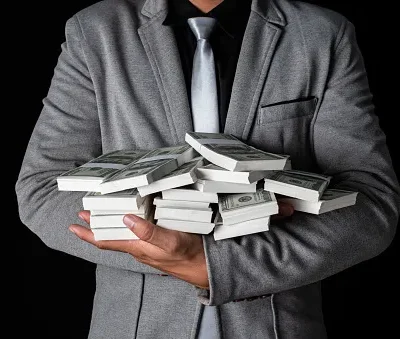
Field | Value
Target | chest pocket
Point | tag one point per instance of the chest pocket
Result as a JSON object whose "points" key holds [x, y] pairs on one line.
{"points": [[284, 128]]}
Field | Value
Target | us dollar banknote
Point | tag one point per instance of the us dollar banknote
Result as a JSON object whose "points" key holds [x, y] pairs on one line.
{"points": [[302, 179], [106, 164], [241, 201]]}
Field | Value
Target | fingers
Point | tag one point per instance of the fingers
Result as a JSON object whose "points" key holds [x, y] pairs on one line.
{"points": [[86, 234], [285, 209], [153, 234], [149, 233], [83, 232], [85, 216]]}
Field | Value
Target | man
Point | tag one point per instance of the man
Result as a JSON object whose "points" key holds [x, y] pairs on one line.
{"points": [[299, 88]]}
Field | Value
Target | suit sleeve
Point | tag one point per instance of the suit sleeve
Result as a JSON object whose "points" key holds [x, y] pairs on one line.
{"points": [[349, 145], [67, 134]]}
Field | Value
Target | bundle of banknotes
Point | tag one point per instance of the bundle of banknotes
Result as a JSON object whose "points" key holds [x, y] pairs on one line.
{"points": [[212, 183]]}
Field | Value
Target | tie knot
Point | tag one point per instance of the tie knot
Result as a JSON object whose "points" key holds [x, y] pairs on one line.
{"points": [[202, 26]]}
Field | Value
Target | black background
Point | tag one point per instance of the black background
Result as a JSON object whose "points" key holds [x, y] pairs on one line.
{"points": [[57, 289]]}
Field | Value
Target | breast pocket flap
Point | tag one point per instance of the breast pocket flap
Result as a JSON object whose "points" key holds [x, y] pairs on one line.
{"points": [[286, 110]]}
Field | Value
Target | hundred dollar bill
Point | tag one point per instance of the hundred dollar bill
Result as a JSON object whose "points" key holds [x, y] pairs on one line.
{"points": [[235, 208], [182, 176], [228, 152], [331, 199], [149, 168], [88, 176], [338, 194], [297, 184]]}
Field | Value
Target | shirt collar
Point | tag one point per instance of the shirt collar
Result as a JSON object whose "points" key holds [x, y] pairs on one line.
{"points": [[232, 15]]}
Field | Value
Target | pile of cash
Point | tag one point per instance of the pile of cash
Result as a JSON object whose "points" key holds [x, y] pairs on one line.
{"points": [[108, 210], [184, 175], [212, 183], [331, 199], [186, 209], [90, 175], [228, 152], [244, 213]]}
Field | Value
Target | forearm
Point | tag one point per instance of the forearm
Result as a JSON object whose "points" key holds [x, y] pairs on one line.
{"points": [[301, 250], [48, 213]]}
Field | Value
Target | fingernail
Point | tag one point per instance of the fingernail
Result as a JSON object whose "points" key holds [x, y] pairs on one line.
{"points": [[72, 230], [130, 220], [81, 217]]}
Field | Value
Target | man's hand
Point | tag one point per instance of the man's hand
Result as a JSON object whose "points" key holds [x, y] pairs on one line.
{"points": [[176, 253], [285, 210]]}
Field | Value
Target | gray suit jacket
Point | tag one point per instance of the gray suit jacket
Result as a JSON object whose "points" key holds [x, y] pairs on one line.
{"points": [[300, 89]]}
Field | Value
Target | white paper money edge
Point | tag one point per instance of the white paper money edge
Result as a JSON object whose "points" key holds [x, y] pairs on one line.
{"points": [[108, 221], [112, 202], [79, 185], [224, 175], [186, 226], [244, 228], [139, 212], [267, 211], [160, 202], [114, 234], [224, 187], [184, 214], [189, 195], [140, 180], [292, 191]]}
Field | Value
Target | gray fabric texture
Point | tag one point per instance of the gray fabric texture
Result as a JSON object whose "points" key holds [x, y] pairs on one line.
{"points": [[300, 89]]}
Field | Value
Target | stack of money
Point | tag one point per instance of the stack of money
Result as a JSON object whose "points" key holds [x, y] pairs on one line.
{"points": [[89, 176], [213, 182], [242, 214], [213, 172], [331, 199], [149, 168], [226, 151], [297, 184], [184, 175], [223, 187], [107, 212], [213, 178], [186, 209]]}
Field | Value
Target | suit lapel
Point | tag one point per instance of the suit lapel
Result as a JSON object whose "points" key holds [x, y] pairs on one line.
{"points": [[161, 48], [259, 43]]}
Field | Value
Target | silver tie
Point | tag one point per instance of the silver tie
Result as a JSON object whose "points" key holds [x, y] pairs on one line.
{"points": [[205, 119], [204, 96]]}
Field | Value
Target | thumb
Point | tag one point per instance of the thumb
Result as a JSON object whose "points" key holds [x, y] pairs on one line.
{"points": [[150, 233]]}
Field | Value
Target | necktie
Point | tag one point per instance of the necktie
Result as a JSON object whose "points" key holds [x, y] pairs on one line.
{"points": [[205, 119], [204, 99]]}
